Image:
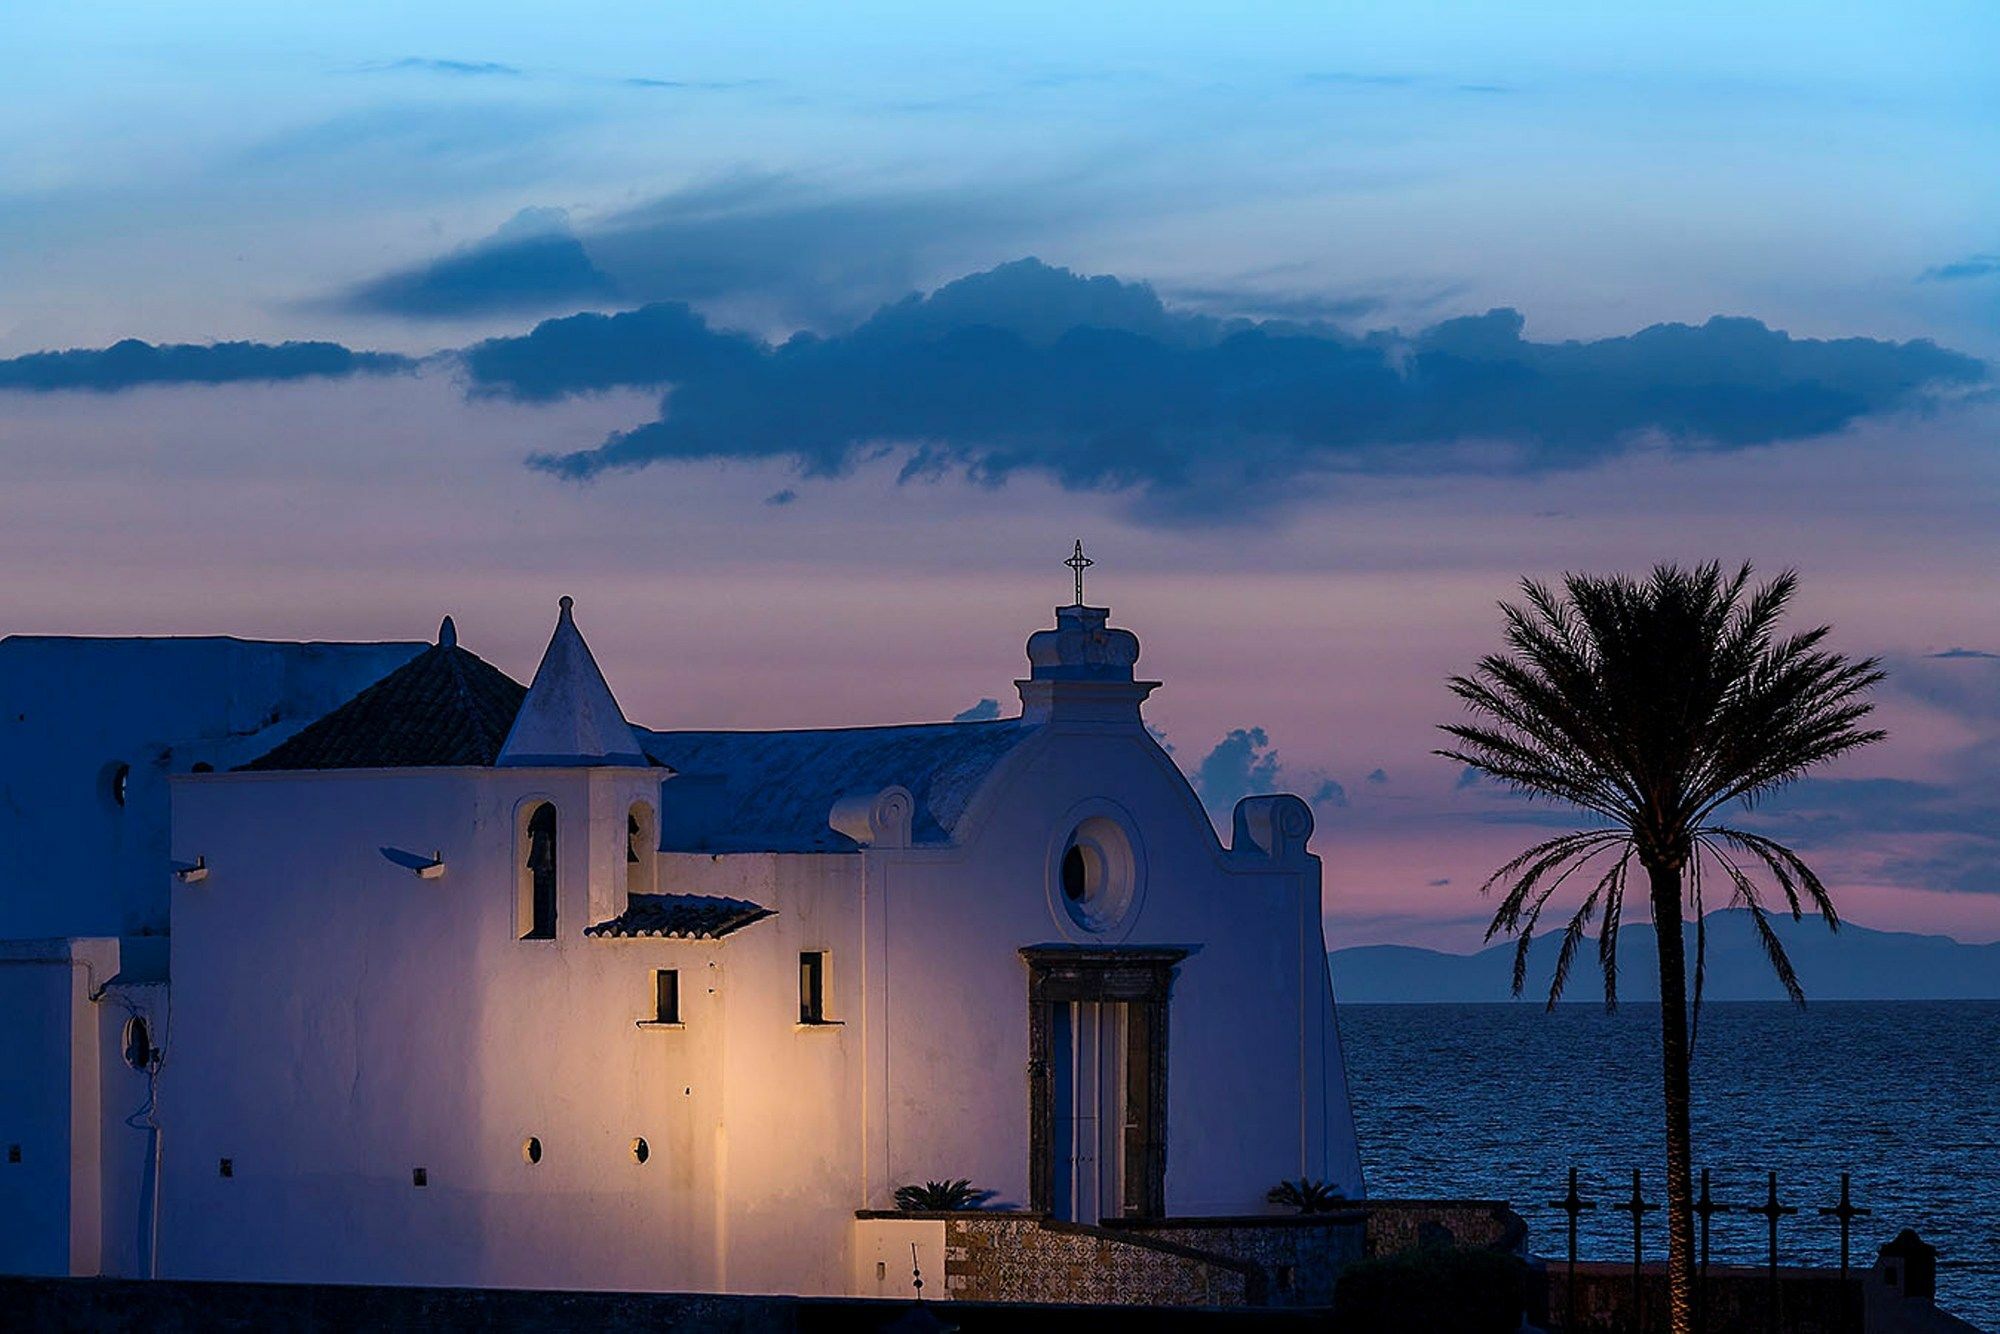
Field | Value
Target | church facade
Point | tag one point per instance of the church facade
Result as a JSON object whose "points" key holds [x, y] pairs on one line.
{"points": [[468, 983]]}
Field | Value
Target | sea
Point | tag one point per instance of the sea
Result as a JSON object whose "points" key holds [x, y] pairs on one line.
{"points": [[1500, 1101]]}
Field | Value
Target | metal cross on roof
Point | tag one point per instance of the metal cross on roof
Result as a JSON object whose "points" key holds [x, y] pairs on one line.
{"points": [[1079, 563]]}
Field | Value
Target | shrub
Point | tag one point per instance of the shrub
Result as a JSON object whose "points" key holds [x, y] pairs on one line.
{"points": [[1432, 1287], [1308, 1195], [940, 1197]]}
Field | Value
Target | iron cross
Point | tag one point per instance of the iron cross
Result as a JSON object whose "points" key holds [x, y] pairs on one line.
{"points": [[1771, 1211], [1079, 563], [1846, 1213], [1706, 1208], [1572, 1204], [1638, 1206]]}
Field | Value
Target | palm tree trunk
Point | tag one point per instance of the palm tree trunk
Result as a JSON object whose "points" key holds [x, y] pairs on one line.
{"points": [[1674, 1057]]}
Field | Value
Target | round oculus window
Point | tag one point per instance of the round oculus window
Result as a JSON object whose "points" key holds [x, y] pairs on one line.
{"points": [[1097, 874]]}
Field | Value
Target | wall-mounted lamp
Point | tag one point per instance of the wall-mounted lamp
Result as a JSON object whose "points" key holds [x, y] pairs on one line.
{"points": [[432, 869], [189, 875]]}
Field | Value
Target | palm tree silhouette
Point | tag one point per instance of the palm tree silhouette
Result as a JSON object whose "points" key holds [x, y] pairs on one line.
{"points": [[1654, 705]]}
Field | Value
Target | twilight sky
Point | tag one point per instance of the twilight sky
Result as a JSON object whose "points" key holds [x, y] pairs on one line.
{"points": [[1339, 320]]}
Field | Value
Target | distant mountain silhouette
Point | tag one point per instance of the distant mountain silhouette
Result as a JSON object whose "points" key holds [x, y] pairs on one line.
{"points": [[1856, 963]]}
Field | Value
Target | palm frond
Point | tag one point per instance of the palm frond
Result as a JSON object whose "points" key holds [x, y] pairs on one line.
{"points": [[1774, 949], [1653, 704], [1610, 887]]}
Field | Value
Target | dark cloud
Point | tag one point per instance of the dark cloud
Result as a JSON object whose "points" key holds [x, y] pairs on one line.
{"points": [[1972, 266], [1960, 866], [1327, 792], [799, 256], [775, 250], [984, 711], [783, 497], [1245, 764], [1378, 776], [654, 345], [531, 264], [692, 85], [1946, 833], [458, 68], [130, 363], [1096, 383], [1241, 765]]}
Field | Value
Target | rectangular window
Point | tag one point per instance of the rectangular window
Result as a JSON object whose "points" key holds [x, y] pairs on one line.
{"points": [[666, 995], [812, 987]]}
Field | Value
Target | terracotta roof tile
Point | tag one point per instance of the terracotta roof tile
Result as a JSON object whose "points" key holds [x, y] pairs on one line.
{"points": [[690, 916], [444, 707]]}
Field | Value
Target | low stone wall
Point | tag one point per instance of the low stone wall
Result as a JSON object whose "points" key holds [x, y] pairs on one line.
{"points": [[1280, 1260], [138, 1306], [1398, 1225], [1022, 1257], [1810, 1301], [1298, 1258]]}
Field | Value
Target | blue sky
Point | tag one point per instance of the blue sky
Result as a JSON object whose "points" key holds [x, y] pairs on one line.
{"points": [[204, 170], [1345, 320]]}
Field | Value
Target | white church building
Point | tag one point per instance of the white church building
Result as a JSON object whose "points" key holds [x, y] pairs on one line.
{"points": [[366, 964]]}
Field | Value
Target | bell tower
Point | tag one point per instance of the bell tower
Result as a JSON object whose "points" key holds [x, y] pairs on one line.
{"points": [[1081, 672]]}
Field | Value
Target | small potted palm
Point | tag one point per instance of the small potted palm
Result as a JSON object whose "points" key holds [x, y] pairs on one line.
{"points": [[940, 1197], [1308, 1195]]}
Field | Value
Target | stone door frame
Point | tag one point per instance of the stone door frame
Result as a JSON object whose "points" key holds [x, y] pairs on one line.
{"points": [[1141, 980]]}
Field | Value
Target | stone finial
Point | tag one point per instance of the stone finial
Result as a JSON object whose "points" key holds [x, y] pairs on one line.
{"points": [[1082, 647], [1275, 828], [875, 819], [1081, 671], [447, 634]]}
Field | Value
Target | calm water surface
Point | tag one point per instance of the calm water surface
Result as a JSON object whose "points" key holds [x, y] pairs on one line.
{"points": [[1500, 1100]]}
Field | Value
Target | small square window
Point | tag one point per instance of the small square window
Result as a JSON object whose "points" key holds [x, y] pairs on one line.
{"points": [[13, 1153], [226, 1167], [666, 995], [812, 987], [419, 1177]]}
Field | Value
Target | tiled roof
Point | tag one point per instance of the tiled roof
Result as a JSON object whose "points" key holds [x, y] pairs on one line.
{"points": [[691, 916], [443, 707], [778, 788]]}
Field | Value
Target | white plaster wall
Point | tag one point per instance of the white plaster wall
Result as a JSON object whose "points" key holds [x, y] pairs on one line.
{"points": [[50, 1069], [71, 709], [36, 998], [341, 1021], [788, 1149], [1252, 1096], [890, 1253], [125, 1126]]}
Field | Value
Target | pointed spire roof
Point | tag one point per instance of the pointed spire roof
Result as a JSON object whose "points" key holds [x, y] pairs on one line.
{"points": [[444, 707], [570, 716]]}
